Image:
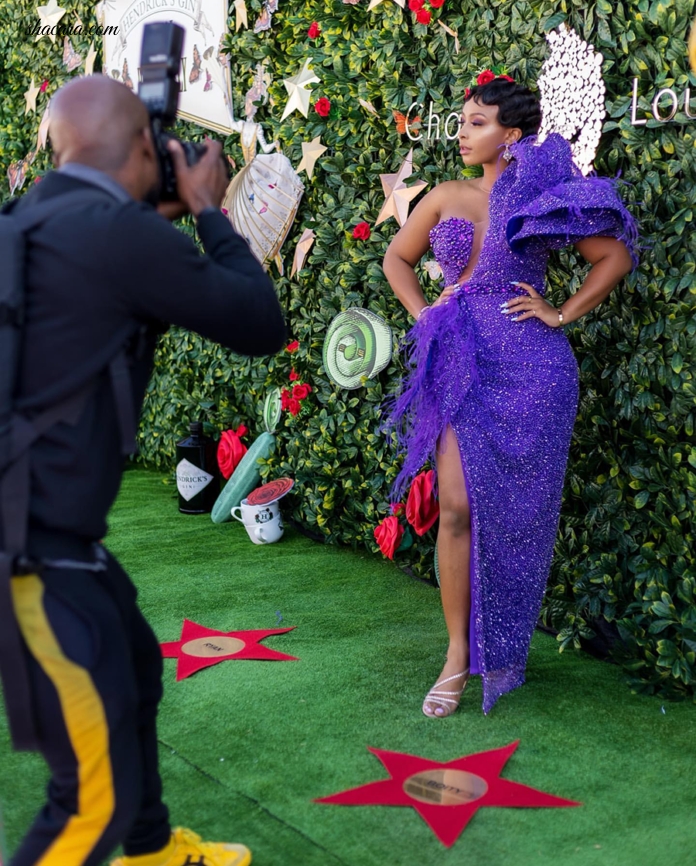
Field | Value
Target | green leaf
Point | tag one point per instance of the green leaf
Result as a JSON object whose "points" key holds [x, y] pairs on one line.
{"points": [[641, 499]]}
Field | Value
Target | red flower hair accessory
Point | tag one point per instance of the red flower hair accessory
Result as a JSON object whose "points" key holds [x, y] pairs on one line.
{"points": [[485, 76]]}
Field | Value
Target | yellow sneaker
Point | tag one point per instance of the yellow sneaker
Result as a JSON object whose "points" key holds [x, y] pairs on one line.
{"points": [[186, 848]]}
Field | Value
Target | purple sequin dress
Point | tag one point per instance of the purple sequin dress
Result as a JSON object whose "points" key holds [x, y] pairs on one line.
{"points": [[508, 389]]}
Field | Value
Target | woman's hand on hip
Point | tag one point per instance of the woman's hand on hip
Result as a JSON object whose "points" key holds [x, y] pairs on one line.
{"points": [[532, 307], [447, 292]]}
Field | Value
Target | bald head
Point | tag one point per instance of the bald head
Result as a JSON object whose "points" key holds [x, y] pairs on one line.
{"points": [[96, 121]]}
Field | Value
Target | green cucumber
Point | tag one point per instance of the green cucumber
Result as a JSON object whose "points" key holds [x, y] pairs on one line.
{"points": [[245, 478]]}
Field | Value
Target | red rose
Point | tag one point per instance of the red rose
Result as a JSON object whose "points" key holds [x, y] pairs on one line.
{"points": [[292, 347], [294, 376], [299, 392], [388, 536], [397, 508], [507, 78], [37, 179], [44, 85], [467, 93], [294, 406], [314, 30], [323, 107], [423, 16], [485, 76], [231, 450], [415, 5], [435, 4], [422, 508], [362, 231]]}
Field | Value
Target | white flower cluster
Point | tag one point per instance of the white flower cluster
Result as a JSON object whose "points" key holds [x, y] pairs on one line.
{"points": [[572, 95]]}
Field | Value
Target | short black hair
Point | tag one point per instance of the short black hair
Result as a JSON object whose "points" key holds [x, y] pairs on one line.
{"points": [[517, 105]]}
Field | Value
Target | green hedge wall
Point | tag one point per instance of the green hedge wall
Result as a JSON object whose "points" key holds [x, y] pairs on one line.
{"points": [[625, 548]]}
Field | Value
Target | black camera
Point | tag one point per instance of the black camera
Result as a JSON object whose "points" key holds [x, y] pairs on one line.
{"points": [[160, 59]]}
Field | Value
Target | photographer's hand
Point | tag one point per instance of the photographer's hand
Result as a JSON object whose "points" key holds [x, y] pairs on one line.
{"points": [[203, 184]]}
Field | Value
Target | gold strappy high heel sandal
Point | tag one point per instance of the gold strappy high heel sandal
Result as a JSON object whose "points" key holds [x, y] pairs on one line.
{"points": [[442, 698]]}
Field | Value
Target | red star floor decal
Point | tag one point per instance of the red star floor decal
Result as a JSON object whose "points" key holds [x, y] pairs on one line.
{"points": [[201, 647], [446, 796]]}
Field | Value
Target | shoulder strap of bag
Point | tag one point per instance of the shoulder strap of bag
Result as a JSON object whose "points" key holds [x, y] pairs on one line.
{"points": [[30, 217], [20, 433]]}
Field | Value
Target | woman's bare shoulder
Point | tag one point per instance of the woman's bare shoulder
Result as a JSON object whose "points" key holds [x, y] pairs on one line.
{"points": [[460, 189], [432, 203], [452, 197], [462, 185]]}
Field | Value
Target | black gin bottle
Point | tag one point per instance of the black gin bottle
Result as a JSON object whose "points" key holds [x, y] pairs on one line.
{"points": [[197, 478]]}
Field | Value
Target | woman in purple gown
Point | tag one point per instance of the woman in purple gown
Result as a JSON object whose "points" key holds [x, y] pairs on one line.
{"points": [[491, 390]]}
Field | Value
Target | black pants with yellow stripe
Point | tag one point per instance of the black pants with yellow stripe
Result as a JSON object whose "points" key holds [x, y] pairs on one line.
{"points": [[96, 670]]}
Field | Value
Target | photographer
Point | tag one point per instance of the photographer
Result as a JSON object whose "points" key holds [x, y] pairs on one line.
{"points": [[115, 265]]}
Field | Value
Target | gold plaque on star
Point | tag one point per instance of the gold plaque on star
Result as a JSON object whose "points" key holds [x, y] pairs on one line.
{"points": [[445, 787], [209, 648]]}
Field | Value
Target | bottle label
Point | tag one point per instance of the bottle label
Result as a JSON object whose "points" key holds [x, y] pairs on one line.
{"points": [[191, 479]]}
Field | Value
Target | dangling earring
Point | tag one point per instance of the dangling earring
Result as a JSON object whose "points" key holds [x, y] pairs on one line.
{"points": [[507, 153]]}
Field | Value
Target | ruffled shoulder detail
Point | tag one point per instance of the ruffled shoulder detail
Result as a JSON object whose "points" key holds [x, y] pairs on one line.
{"points": [[562, 206], [544, 165]]}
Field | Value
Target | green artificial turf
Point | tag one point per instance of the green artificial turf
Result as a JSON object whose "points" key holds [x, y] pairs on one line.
{"points": [[247, 745]]}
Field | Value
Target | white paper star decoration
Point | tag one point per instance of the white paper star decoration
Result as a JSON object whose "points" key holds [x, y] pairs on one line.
{"points": [[368, 106], [42, 135], [89, 62], [240, 15], [297, 90], [311, 151], [49, 15], [452, 33], [398, 195], [374, 3], [30, 97], [301, 250]]}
